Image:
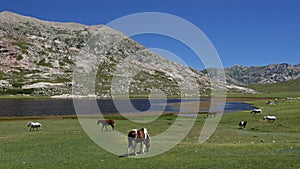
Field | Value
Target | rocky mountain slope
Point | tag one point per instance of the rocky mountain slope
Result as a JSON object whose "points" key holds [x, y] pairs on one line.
{"points": [[243, 75], [39, 57]]}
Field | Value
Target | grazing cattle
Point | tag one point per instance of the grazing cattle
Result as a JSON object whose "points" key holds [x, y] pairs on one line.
{"points": [[105, 123], [138, 136], [34, 125], [270, 103], [255, 111], [211, 114], [270, 118], [243, 124]]}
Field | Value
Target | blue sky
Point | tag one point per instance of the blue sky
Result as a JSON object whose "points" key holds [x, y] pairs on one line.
{"points": [[256, 32]]}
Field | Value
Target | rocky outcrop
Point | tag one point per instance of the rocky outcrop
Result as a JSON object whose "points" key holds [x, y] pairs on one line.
{"points": [[242, 75]]}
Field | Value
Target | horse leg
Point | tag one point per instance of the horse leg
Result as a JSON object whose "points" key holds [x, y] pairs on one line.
{"points": [[143, 145], [113, 127], [128, 147], [128, 150], [106, 128], [102, 127], [134, 148]]}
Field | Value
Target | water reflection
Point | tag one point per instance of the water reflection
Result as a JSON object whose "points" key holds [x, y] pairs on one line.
{"points": [[46, 107]]}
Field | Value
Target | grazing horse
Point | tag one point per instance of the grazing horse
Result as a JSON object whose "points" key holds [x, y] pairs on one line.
{"points": [[34, 125], [243, 124], [138, 136], [270, 118], [255, 111], [105, 123], [211, 114]]}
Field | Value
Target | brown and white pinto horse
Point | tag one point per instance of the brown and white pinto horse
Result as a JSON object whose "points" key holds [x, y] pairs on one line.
{"points": [[138, 136], [105, 123]]}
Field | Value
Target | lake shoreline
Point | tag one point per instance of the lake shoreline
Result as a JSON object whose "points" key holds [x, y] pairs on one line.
{"points": [[203, 105]]}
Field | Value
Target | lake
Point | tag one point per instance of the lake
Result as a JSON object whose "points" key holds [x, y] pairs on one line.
{"points": [[46, 107]]}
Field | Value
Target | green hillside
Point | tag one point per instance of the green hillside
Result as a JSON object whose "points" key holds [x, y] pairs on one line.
{"points": [[289, 88]]}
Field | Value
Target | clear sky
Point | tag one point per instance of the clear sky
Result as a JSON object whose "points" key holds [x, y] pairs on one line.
{"points": [[256, 32]]}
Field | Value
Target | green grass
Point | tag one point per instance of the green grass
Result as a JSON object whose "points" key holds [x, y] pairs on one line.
{"points": [[21, 96], [283, 89], [288, 86], [17, 92], [62, 143], [274, 90]]}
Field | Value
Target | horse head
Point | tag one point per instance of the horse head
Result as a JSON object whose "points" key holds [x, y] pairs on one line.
{"points": [[29, 123]]}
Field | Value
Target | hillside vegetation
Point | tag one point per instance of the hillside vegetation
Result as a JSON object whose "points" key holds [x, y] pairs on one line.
{"points": [[289, 88]]}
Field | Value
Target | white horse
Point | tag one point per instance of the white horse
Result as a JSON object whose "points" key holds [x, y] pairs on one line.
{"points": [[270, 118], [254, 111], [34, 125], [138, 136]]}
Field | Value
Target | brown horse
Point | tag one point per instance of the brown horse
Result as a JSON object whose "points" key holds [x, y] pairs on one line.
{"points": [[138, 136], [105, 123]]}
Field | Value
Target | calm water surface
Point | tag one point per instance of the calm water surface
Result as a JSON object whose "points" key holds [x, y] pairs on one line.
{"points": [[46, 107]]}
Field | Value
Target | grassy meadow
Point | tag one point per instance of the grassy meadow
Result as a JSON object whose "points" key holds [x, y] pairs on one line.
{"points": [[62, 143], [289, 88]]}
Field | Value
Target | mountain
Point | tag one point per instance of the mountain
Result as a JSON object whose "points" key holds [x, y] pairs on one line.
{"points": [[39, 58], [243, 75]]}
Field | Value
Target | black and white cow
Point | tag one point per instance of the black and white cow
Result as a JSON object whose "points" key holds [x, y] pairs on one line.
{"points": [[243, 124]]}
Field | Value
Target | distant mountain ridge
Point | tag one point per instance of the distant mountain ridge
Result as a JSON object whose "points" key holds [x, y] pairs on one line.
{"points": [[273, 73]]}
